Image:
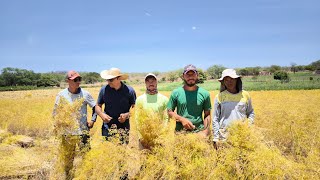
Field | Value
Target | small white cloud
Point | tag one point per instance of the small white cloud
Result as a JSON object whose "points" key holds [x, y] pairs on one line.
{"points": [[194, 28], [147, 13]]}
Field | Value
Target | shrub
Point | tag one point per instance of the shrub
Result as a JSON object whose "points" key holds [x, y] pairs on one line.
{"points": [[282, 76]]}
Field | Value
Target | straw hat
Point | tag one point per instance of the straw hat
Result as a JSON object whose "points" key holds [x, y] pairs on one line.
{"points": [[229, 72], [112, 73]]}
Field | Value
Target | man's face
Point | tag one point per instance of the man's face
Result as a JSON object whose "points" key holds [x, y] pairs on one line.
{"points": [[151, 83], [114, 82], [75, 83], [230, 83], [190, 78]]}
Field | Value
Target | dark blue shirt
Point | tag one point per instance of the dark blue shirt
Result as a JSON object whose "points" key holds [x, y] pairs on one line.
{"points": [[117, 102]]}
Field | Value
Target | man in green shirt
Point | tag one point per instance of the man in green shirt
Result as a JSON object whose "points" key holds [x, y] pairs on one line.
{"points": [[191, 101]]}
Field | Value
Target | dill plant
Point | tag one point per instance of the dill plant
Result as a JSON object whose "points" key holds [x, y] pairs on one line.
{"points": [[152, 126], [66, 123]]}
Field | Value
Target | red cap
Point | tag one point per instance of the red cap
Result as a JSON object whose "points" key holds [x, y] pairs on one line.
{"points": [[72, 75]]}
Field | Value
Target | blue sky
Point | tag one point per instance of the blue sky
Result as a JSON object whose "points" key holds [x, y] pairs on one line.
{"points": [[157, 35]]}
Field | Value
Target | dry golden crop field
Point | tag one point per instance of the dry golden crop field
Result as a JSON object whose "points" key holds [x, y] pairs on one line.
{"points": [[284, 143]]}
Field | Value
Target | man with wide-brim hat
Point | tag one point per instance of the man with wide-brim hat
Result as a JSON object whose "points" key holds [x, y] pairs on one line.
{"points": [[230, 104], [118, 99]]}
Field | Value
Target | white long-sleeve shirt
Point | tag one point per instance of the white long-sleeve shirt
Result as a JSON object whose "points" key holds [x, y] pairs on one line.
{"points": [[230, 107]]}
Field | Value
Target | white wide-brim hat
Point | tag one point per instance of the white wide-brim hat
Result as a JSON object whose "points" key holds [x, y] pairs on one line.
{"points": [[112, 73], [229, 72]]}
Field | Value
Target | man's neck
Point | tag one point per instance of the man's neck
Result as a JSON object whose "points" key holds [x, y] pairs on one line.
{"points": [[190, 88], [118, 86], [73, 90]]}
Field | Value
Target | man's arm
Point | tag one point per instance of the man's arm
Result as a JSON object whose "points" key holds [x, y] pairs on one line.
{"points": [[105, 117], [93, 118], [206, 123], [184, 121]]}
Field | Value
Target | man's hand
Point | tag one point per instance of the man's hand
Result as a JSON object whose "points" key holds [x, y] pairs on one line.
{"points": [[186, 123], [203, 134], [90, 124], [123, 117], [106, 118]]}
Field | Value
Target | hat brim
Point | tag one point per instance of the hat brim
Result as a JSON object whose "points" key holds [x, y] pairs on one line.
{"points": [[232, 76], [185, 72], [105, 75], [73, 77]]}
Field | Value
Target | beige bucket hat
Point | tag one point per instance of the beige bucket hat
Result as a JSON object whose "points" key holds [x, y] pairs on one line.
{"points": [[229, 72], [112, 73]]}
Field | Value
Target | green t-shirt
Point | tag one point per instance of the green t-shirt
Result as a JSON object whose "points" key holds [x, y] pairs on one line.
{"points": [[190, 104]]}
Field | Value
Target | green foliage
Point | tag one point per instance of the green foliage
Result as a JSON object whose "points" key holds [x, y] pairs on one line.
{"points": [[172, 76], [91, 77], [274, 68], [249, 71], [49, 80], [201, 76], [282, 76], [315, 65], [215, 71], [18, 77]]}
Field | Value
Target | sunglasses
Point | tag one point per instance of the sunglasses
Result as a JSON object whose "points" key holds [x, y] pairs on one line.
{"points": [[110, 80], [78, 79]]}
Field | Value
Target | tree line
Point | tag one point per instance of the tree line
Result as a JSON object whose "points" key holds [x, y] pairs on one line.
{"points": [[11, 77], [215, 71], [21, 77]]}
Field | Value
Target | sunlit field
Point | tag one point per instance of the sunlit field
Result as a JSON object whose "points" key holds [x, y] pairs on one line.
{"points": [[284, 143]]}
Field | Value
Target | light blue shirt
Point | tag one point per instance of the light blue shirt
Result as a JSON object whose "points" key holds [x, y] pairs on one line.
{"points": [[88, 100]]}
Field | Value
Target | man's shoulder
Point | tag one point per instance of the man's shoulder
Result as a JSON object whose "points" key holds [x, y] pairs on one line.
{"points": [[130, 88], [162, 96], [63, 92], [141, 96], [203, 91], [245, 93], [178, 89]]}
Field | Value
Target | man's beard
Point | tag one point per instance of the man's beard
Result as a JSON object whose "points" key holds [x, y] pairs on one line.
{"points": [[154, 91], [190, 85]]}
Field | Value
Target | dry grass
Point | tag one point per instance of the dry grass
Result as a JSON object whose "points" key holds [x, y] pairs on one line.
{"points": [[284, 143]]}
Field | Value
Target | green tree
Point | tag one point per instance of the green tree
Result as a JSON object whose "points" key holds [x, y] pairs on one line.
{"points": [[282, 76], [172, 76], [274, 68], [315, 65], [293, 67], [215, 71], [202, 76], [91, 77], [49, 80], [19, 77]]}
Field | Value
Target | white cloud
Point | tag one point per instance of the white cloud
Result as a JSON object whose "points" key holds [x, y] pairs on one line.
{"points": [[147, 13], [194, 28]]}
